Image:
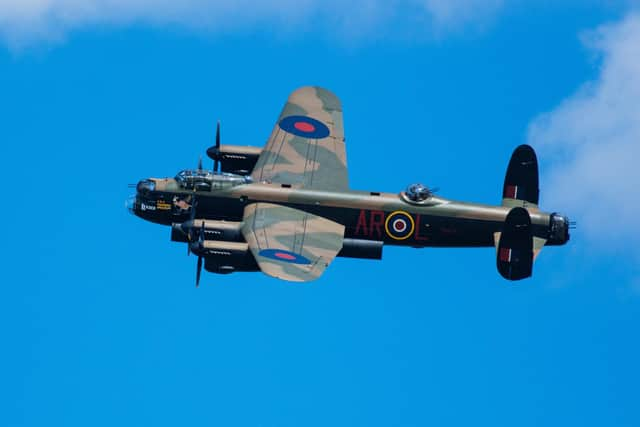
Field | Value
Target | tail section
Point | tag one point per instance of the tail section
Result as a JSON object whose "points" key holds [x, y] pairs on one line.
{"points": [[521, 188], [516, 245]]}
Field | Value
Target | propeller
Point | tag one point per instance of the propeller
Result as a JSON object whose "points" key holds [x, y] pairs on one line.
{"points": [[200, 164], [216, 162], [192, 217], [198, 272], [214, 151], [200, 244]]}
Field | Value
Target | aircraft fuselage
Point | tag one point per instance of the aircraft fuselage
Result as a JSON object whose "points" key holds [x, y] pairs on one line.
{"points": [[385, 217]]}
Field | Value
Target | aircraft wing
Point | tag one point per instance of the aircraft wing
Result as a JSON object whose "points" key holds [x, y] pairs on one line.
{"points": [[291, 244], [306, 147]]}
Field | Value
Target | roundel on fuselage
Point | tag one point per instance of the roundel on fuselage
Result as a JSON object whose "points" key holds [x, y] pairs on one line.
{"points": [[399, 225]]}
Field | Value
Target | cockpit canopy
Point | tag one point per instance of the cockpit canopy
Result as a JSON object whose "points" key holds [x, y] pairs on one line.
{"points": [[418, 192], [204, 180], [146, 186]]}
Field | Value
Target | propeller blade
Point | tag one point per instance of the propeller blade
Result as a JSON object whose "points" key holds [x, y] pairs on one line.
{"points": [[192, 217], [194, 205], [198, 271], [216, 162], [200, 242], [200, 164]]}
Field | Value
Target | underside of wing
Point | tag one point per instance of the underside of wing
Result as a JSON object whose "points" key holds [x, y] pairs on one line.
{"points": [[306, 147], [291, 244]]}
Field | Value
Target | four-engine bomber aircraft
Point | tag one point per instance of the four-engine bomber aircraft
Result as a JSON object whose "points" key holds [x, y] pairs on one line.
{"points": [[288, 210]]}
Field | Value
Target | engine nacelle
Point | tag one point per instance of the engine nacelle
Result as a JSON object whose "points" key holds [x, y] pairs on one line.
{"points": [[236, 159], [213, 230], [225, 257]]}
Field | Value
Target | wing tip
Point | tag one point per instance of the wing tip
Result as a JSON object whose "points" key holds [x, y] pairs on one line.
{"points": [[328, 98]]}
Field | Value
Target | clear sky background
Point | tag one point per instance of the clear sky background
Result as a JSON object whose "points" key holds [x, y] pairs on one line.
{"points": [[101, 323]]}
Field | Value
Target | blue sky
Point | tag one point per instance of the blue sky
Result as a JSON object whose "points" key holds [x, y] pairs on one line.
{"points": [[101, 322]]}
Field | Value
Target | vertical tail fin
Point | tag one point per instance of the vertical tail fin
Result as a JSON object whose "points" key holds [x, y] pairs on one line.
{"points": [[515, 247], [521, 188]]}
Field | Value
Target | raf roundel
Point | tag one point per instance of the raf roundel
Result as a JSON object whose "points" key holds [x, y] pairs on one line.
{"points": [[284, 256], [304, 126], [399, 225]]}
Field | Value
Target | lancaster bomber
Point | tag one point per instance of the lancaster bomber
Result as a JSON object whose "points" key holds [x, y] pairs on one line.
{"points": [[287, 210]]}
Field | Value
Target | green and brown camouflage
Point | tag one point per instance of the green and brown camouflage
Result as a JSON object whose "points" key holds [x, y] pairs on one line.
{"points": [[275, 231], [295, 210], [299, 161]]}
